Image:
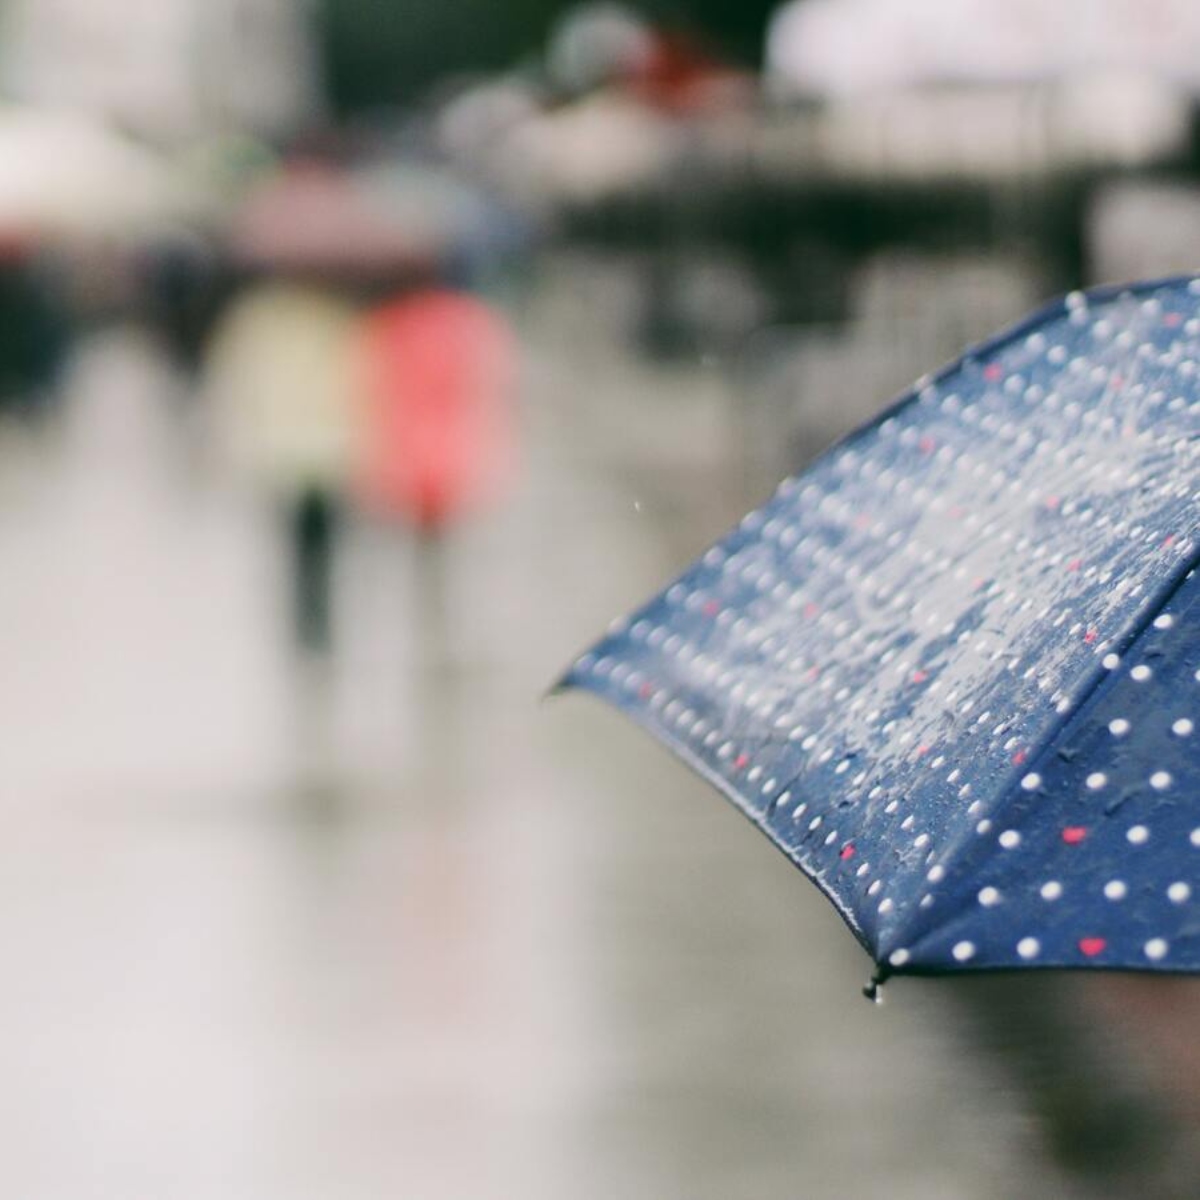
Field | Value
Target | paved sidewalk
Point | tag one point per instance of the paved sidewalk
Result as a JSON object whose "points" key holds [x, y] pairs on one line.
{"points": [[403, 929]]}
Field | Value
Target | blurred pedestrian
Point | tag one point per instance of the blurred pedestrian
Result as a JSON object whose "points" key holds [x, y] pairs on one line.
{"points": [[438, 438], [280, 380]]}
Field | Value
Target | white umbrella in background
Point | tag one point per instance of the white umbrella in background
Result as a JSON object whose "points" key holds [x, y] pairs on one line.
{"points": [[65, 177], [842, 47], [960, 89], [602, 145]]}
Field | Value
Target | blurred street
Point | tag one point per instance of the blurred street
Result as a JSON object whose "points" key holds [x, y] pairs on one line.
{"points": [[359, 363], [394, 925]]}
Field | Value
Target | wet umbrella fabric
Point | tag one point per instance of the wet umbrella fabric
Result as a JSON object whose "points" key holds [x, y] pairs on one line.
{"points": [[953, 670]]}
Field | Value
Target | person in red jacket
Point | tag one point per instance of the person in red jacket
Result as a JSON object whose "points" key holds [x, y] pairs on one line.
{"points": [[440, 370]]}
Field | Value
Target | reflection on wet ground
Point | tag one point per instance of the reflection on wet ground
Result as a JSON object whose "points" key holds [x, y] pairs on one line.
{"points": [[392, 925]]}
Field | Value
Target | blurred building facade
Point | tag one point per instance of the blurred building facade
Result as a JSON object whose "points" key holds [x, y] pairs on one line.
{"points": [[172, 69]]}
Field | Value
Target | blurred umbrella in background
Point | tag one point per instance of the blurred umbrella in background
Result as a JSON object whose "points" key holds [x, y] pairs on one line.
{"points": [[951, 671], [605, 144], [462, 228], [310, 218], [839, 47], [78, 202], [382, 222], [280, 385], [71, 178]]}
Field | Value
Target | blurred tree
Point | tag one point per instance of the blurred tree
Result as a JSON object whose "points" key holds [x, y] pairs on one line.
{"points": [[380, 52]]}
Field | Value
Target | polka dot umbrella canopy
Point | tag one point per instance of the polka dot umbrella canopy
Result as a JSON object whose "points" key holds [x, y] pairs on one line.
{"points": [[953, 670]]}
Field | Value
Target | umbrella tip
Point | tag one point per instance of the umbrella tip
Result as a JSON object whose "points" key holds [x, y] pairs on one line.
{"points": [[873, 990]]}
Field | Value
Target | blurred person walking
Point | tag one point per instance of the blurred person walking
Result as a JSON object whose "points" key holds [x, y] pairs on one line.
{"points": [[280, 381], [438, 438]]}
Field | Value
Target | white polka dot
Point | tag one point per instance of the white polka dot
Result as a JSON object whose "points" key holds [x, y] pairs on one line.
{"points": [[1138, 834], [1029, 947], [1096, 780], [1032, 781], [899, 957], [936, 874], [1194, 837], [1156, 948], [1110, 662], [1051, 890], [1115, 889], [1160, 780], [1119, 727], [1140, 673], [1182, 728], [984, 826], [1010, 839], [963, 951], [886, 906], [1179, 893], [1165, 621]]}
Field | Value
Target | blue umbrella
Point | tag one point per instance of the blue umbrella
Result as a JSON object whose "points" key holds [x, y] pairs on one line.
{"points": [[953, 670]]}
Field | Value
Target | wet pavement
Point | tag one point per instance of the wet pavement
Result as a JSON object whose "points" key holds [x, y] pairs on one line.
{"points": [[396, 925]]}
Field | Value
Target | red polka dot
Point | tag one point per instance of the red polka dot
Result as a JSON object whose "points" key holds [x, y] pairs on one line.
{"points": [[646, 691], [1074, 834], [992, 372], [740, 761], [847, 851], [711, 608], [1173, 320], [1052, 502], [927, 445], [1168, 541], [811, 610], [1075, 564], [1090, 636], [1018, 758], [919, 676], [1091, 946]]}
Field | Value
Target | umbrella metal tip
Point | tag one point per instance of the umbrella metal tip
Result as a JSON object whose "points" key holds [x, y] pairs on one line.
{"points": [[873, 989]]}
